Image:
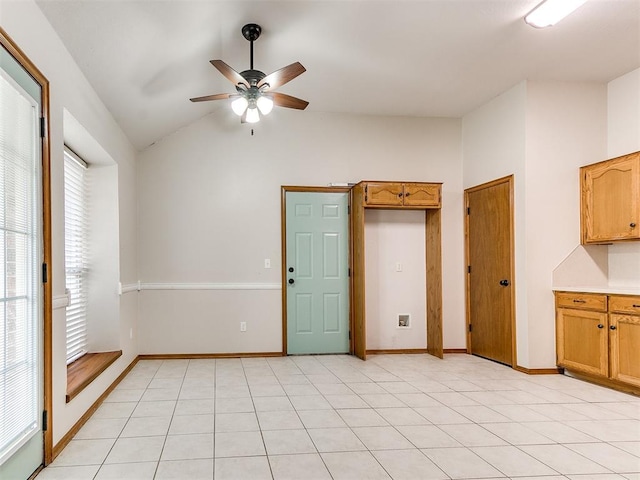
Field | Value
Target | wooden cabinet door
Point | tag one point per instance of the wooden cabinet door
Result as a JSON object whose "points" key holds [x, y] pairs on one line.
{"points": [[383, 194], [611, 200], [624, 338], [582, 341], [421, 195]]}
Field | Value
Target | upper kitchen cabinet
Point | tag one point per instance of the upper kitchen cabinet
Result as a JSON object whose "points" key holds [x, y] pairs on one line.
{"points": [[402, 195], [610, 200]]}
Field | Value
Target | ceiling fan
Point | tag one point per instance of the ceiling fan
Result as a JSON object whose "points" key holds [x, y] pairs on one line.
{"points": [[255, 95]]}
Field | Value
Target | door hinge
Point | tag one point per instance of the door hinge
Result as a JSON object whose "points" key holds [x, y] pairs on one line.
{"points": [[45, 276], [349, 272], [45, 420], [42, 127], [468, 268], [468, 210], [366, 191], [348, 209], [470, 328], [349, 334]]}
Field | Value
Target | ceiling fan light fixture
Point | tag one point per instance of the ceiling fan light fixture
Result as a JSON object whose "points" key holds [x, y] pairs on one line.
{"points": [[265, 104], [239, 105], [252, 115], [254, 96], [550, 12]]}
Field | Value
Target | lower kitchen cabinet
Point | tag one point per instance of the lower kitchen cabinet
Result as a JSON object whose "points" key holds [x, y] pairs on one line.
{"points": [[599, 335]]}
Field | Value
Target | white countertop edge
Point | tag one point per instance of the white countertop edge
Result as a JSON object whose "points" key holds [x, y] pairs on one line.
{"points": [[603, 289]]}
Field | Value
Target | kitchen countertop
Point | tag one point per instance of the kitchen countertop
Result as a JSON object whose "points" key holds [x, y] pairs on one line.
{"points": [[611, 290]]}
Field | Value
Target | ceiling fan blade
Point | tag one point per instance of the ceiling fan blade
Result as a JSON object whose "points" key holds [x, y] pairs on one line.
{"points": [[233, 76], [282, 76], [284, 100], [218, 96]]}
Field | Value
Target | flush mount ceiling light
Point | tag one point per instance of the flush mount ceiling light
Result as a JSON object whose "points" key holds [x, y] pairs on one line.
{"points": [[254, 95], [550, 12]]}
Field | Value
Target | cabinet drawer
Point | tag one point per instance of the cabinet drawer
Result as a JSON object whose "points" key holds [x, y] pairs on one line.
{"points": [[623, 304], [586, 301]]}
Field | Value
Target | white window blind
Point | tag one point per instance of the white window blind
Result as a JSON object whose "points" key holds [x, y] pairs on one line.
{"points": [[75, 253], [19, 264]]}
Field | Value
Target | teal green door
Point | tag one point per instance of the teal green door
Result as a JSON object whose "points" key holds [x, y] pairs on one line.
{"points": [[317, 269]]}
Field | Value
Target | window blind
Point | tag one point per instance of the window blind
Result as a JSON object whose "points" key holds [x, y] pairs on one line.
{"points": [[75, 253], [19, 263]]}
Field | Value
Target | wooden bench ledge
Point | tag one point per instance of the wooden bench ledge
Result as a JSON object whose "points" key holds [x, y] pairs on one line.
{"points": [[86, 369]]}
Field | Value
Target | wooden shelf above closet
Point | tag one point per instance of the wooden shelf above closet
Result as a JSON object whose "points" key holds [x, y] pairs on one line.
{"points": [[403, 196]]}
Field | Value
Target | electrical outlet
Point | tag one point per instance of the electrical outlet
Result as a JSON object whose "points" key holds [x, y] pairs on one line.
{"points": [[243, 326], [398, 267], [267, 263]]}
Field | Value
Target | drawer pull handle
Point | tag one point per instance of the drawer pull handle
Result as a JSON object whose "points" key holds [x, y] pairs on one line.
{"points": [[600, 325], [636, 306], [579, 301]]}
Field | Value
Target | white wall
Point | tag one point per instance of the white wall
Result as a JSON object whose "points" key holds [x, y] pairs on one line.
{"points": [[566, 128], [541, 132], [623, 138], [494, 139], [27, 26], [395, 237], [210, 195]]}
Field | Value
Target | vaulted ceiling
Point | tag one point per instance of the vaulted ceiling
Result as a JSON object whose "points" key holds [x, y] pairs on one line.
{"points": [[396, 57]]}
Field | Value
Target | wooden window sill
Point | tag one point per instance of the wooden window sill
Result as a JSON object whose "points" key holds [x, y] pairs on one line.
{"points": [[86, 369]]}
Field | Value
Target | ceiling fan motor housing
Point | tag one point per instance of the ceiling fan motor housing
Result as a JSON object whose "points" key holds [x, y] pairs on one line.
{"points": [[253, 76]]}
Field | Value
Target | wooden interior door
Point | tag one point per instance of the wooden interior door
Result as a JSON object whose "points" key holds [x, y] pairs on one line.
{"points": [[490, 290]]}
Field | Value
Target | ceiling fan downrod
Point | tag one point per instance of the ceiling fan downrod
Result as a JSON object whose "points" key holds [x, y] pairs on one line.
{"points": [[251, 31]]}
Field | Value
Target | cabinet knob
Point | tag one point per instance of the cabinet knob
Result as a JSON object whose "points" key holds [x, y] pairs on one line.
{"points": [[291, 281], [612, 327], [632, 225], [400, 195], [600, 325], [504, 283]]}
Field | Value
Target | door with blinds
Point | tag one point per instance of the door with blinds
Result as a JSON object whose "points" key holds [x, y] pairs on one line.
{"points": [[21, 253]]}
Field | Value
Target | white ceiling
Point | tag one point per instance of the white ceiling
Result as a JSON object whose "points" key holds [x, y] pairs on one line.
{"points": [[399, 57]]}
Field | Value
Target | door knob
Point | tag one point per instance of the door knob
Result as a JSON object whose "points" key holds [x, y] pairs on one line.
{"points": [[291, 281], [504, 283]]}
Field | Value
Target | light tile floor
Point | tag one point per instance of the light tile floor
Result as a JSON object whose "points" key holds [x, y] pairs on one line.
{"points": [[337, 417]]}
